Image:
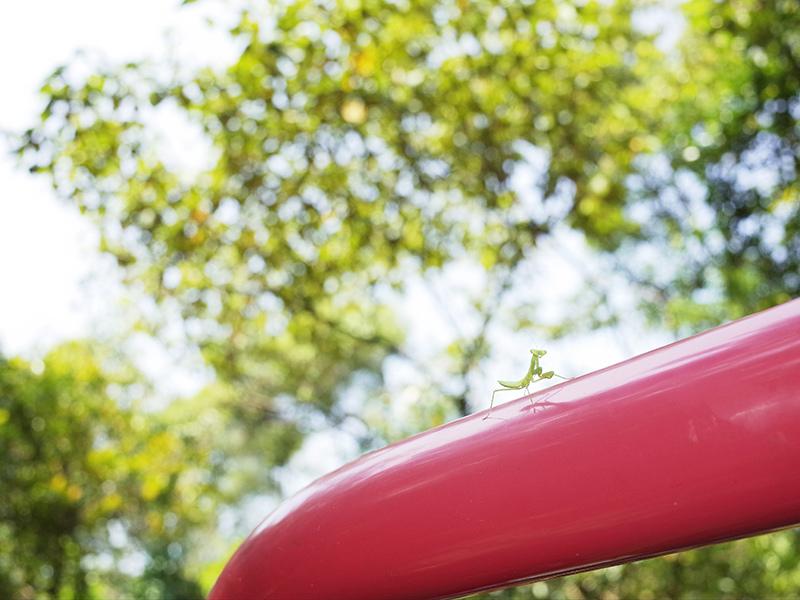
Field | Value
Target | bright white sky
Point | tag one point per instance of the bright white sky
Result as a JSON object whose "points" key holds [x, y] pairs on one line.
{"points": [[46, 248]]}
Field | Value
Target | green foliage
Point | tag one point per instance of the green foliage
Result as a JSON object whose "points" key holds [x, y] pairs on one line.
{"points": [[339, 161], [87, 483], [724, 213], [351, 146]]}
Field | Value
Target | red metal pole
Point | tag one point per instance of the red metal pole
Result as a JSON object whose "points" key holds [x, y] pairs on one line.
{"points": [[692, 444]]}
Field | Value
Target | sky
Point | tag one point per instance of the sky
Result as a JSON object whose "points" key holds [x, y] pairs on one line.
{"points": [[46, 247]]}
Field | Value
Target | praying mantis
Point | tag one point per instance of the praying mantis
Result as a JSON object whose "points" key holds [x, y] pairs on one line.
{"points": [[533, 375]]}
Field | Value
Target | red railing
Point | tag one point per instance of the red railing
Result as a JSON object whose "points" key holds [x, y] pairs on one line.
{"points": [[691, 444]]}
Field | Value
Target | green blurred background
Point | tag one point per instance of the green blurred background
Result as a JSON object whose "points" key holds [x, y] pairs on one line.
{"points": [[343, 228]]}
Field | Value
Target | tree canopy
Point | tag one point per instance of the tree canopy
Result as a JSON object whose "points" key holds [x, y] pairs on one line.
{"points": [[352, 147]]}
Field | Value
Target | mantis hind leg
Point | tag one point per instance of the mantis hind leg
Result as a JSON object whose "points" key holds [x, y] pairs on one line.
{"points": [[491, 404], [533, 404]]}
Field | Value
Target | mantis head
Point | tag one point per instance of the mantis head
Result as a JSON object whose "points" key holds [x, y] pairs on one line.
{"points": [[539, 353]]}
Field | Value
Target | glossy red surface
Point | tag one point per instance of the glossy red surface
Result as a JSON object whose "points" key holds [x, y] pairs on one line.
{"points": [[694, 443]]}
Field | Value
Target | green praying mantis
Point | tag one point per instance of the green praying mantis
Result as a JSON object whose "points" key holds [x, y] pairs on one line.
{"points": [[533, 375]]}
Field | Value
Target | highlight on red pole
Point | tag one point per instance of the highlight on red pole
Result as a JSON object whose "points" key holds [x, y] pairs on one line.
{"points": [[691, 444]]}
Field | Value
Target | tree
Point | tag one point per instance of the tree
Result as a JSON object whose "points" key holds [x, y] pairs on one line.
{"points": [[720, 202], [354, 143], [92, 489]]}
